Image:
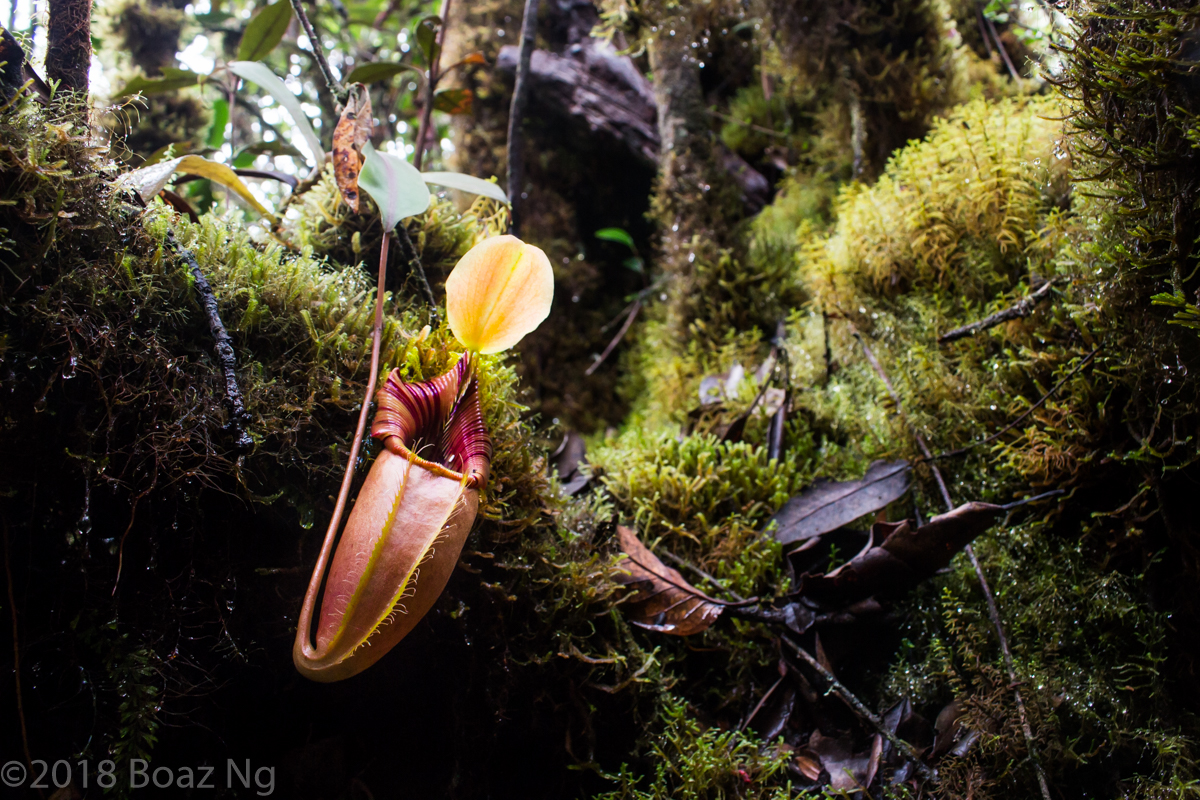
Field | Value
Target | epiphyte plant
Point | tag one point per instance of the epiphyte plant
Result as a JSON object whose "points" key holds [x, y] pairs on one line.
{"points": [[416, 507]]}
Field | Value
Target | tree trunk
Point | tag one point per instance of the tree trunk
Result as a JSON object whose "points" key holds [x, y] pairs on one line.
{"points": [[69, 52]]}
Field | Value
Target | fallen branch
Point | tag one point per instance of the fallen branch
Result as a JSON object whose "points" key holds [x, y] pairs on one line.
{"points": [[516, 111], [993, 609], [223, 344], [764, 615], [410, 256], [859, 706], [1022, 308]]}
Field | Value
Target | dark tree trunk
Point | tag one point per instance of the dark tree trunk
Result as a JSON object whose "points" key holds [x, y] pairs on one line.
{"points": [[69, 51]]}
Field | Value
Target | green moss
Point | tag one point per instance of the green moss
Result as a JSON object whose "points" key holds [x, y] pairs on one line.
{"points": [[695, 762]]}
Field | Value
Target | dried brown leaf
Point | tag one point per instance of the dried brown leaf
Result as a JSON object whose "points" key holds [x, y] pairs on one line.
{"points": [[905, 558], [661, 600], [352, 132], [847, 770], [829, 505]]}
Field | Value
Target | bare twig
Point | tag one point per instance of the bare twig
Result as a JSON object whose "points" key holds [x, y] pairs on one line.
{"points": [[386, 12], [335, 87], [963, 450], [516, 111], [1022, 308], [1003, 51], [223, 344], [692, 591], [712, 112], [679, 562], [859, 706], [431, 83], [414, 263], [629, 318], [834, 684], [12, 607], [993, 609]]}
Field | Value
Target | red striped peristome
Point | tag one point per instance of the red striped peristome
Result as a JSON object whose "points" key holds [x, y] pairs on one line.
{"points": [[437, 422]]}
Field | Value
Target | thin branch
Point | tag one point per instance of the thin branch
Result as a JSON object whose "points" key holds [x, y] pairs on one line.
{"points": [[1003, 51], [12, 607], [963, 450], [414, 263], [1022, 308], [993, 609], [223, 344], [712, 112], [834, 684], [516, 111], [859, 706], [335, 87], [633, 312], [691, 591], [431, 83], [679, 562]]}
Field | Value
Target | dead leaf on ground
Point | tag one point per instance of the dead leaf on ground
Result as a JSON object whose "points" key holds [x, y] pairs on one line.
{"points": [[847, 770], [905, 558], [661, 600], [829, 505], [352, 132], [567, 462], [770, 717]]}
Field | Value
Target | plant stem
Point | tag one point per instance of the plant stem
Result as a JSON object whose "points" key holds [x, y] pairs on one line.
{"points": [[993, 609], [356, 445], [335, 87], [431, 83], [516, 111]]}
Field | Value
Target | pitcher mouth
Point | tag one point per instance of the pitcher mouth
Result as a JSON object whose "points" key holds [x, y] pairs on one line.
{"points": [[437, 424]]}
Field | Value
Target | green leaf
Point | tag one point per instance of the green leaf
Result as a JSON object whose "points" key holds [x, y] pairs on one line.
{"points": [[262, 75], [378, 71], [635, 263], [171, 81], [618, 235], [265, 31], [149, 181], [216, 133], [466, 183], [454, 101], [426, 35], [213, 18], [394, 184]]}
